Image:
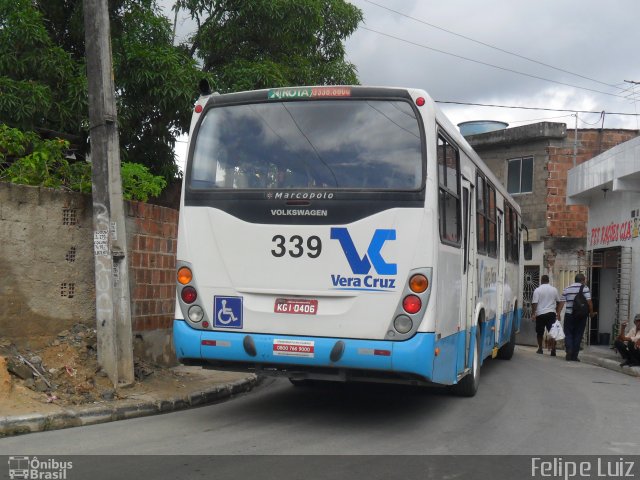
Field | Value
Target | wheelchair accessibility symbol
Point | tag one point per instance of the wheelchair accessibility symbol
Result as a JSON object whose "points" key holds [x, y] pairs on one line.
{"points": [[228, 312]]}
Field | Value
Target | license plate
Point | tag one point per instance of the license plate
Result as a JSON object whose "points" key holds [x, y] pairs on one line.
{"points": [[297, 306]]}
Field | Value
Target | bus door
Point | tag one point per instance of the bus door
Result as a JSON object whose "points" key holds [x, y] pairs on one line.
{"points": [[468, 262], [501, 301]]}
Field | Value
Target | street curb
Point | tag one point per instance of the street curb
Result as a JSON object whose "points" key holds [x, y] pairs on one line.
{"points": [[609, 364], [81, 416]]}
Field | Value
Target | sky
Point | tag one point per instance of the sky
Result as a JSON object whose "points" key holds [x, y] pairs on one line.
{"points": [[545, 54]]}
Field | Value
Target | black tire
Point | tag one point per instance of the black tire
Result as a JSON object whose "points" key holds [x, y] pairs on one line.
{"points": [[468, 385], [506, 351]]}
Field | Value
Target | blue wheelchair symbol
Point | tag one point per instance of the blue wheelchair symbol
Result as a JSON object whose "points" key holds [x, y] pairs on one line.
{"points": [[228, 312]]}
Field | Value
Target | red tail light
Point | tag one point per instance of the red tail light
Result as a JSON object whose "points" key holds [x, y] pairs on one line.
{"points": [[189, 294], [412, 304]]}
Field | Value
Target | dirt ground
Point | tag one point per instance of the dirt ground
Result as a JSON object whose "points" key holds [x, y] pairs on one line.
{"points": [[65, 372]]}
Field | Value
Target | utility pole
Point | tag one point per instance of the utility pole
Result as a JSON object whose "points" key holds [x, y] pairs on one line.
{"points": [[575, 141], [113, 309]]}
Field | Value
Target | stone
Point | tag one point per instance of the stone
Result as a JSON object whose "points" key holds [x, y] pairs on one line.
{"points": [[108, 395], [20, 370], [40, 385], [35, 360]]}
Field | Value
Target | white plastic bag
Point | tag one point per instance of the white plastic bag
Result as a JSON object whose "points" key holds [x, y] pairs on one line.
{"points": [[556, 331]]}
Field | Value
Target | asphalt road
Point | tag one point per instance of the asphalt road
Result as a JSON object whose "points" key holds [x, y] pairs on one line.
{"points": [[531, 405]]}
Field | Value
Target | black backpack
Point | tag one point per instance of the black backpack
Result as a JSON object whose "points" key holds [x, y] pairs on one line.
{"points": [[580, 305]]}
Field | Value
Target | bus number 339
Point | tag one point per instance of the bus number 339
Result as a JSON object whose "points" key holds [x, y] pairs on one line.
{"points": [[295, 246]]}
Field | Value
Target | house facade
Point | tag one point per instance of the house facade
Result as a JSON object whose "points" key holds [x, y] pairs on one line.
{"points": [[609, 187], [533, 161]]}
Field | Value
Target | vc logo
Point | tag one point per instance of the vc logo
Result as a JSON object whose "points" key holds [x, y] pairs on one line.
{"points": [[362, 265]]}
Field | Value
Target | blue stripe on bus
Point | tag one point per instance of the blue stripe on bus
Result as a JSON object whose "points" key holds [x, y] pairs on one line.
{"points": [[415, 355]]}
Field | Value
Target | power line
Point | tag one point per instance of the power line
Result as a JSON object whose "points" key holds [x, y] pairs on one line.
{"points": [[491, 46], [488, 64], [539, 119], [534, 108]]}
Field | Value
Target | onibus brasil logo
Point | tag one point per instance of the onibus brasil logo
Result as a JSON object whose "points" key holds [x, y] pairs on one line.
{"points": [[33, 468], [361, 265]]}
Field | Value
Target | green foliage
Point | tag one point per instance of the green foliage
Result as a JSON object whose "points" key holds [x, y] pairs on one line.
{"points": [[41, 85], [239, 45], [249, 44], [29, 160], [139, 184]]}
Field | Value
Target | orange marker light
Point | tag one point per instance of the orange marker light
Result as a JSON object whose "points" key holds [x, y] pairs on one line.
{"points": [[418, 283], [184, 275]]}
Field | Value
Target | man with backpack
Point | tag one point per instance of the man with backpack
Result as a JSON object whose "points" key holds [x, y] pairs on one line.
{"points": [[577, 297]]}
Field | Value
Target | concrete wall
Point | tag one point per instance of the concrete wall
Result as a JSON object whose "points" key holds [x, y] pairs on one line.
{"points": [[46, 262], [48, 268]]}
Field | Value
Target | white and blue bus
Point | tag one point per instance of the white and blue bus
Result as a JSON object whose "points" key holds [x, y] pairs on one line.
{"points": [[345, 234]]}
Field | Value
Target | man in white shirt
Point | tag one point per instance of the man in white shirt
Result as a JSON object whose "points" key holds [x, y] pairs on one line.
{"points": [[544, 302], [628, 345]]}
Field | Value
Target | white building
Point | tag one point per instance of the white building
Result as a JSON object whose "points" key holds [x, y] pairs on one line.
{"points": [[610, 185]]}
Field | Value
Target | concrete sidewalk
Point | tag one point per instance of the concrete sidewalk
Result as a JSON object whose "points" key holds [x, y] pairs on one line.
{"points": [[202, 387], [600, 355], [198, 387]]}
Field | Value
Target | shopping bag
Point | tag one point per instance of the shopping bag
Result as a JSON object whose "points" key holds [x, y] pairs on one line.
{"points": [[556, 331]]}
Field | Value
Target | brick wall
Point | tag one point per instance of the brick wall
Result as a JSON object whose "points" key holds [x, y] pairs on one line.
{"points": [[152, 237], [152, 234], [571, 220]]}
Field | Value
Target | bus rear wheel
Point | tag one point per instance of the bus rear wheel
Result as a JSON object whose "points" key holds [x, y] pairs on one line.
{"points": [[506, 351], [468, 385]]}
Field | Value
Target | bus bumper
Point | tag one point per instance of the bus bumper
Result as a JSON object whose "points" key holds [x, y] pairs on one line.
{"points": [[413, 357]]}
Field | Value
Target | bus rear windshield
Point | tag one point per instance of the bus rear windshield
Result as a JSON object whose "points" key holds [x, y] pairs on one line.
{"points": [[327, 144]]}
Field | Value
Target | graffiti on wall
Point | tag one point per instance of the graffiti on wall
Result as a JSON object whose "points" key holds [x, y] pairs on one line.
{"points": [[613, 233]]}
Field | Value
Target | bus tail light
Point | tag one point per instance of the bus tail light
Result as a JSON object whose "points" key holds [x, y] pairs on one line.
{"points": [[403, 324], [412, 304], [418, 283], [188, 294], [184, 275], [196, 313]]}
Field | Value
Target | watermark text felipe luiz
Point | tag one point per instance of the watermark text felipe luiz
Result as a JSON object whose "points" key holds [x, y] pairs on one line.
{"points": [[558, 467]]}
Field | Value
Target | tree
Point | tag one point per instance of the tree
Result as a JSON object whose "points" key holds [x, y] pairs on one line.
{"points": [[249, 44], [43, 75], [239, 45], [41, 84]]}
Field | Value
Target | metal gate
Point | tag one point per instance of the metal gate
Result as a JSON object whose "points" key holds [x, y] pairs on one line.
{"points": [[531, 282], [620, 257]]}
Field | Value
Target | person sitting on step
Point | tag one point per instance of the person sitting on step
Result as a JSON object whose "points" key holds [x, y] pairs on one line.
{"points": [[628, 344]]}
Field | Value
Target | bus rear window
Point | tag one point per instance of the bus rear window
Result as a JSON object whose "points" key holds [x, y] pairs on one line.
{"points": [[328, 144]]}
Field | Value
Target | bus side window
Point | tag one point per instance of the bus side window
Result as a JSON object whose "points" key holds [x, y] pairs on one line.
{"points": [[449, 191]]}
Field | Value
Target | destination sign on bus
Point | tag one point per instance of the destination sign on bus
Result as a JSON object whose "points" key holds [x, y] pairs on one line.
{"points": [[308, 92]]}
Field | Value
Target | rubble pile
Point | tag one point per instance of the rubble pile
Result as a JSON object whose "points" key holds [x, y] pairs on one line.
{"points": [[66, 371]]}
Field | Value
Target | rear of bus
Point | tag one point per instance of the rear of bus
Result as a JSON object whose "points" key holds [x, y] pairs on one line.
{"points": [[305, 248]]}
